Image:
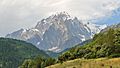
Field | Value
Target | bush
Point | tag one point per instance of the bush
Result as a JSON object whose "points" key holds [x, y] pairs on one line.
{"points": [[114, 56]]}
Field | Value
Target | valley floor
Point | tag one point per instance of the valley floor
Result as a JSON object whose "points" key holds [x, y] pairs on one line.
{"points": [[89, 63]]}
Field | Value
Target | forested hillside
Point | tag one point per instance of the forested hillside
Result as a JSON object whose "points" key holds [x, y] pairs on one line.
{"points": [[14, 52], [104, 44]]}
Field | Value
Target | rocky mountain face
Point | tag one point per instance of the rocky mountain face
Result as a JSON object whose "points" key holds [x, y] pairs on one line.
{"points": [[57, 32]]}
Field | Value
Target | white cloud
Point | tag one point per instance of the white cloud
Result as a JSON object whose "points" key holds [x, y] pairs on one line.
{"points": [[15, 14]]}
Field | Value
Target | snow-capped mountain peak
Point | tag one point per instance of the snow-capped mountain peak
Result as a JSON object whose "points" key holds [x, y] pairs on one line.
{"points": [[57, 32]]}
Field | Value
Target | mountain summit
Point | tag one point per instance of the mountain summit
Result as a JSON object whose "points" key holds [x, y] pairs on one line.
{"points": [[57, 32]]}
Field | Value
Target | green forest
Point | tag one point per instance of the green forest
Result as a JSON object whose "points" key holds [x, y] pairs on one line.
{"points": [[14, 52]]}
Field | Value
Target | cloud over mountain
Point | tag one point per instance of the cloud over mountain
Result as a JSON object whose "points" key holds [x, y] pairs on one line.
{"points": [[19, 13]]}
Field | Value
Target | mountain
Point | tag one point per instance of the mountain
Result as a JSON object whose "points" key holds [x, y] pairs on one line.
{"points": [[104, 44], [115, 26], [14, 52], [57, 32]]}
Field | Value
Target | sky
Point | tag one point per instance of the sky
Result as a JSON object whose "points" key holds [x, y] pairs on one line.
{"points": [[17, 14]]}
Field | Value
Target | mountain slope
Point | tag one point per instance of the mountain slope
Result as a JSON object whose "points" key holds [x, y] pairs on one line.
{"points": [[13, 52], [89, 63], [104, 44], [57, 32]]}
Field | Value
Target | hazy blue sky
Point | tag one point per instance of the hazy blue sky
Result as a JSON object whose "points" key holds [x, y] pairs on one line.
{"points": [[16, 14]]}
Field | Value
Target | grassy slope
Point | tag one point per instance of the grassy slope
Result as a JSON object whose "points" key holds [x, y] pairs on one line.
{"points": [[89, 63]]}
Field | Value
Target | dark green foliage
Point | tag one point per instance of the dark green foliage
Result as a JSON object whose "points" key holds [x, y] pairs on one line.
{"points": [[117, 37], [14, 52], [38, 62], [114, 55], [105, 44], [52, 54]]}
